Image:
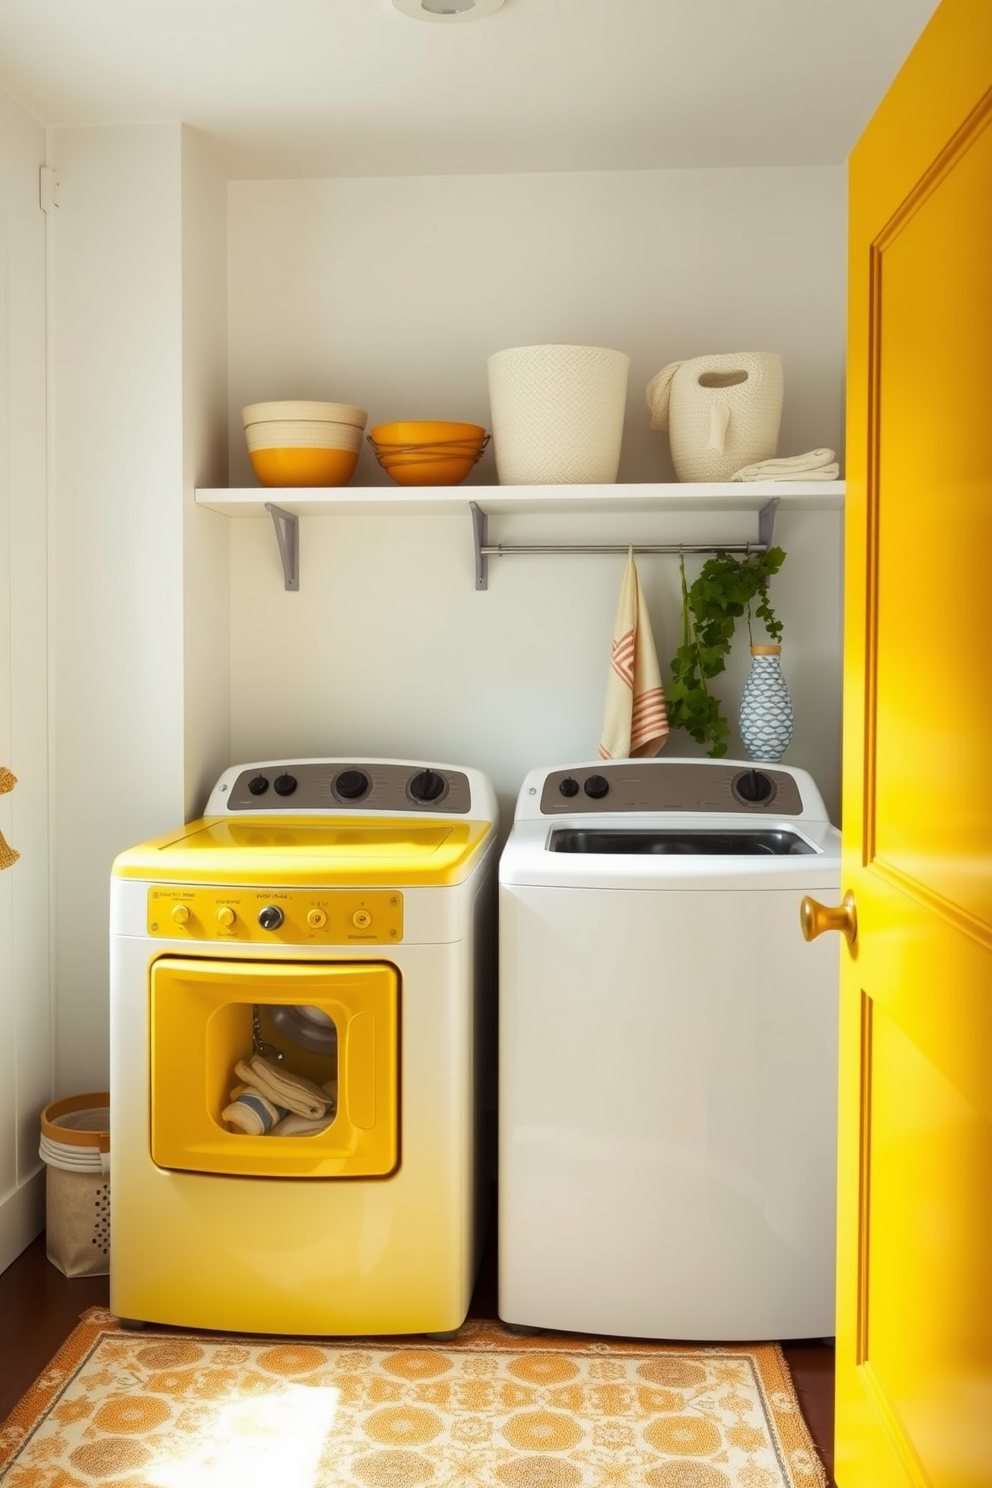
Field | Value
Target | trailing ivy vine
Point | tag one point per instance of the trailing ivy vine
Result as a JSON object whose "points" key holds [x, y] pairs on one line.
{"points": [[726, 589]]}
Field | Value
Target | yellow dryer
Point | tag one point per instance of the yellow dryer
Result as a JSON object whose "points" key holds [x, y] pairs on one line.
{"points": [[300, 1004]]}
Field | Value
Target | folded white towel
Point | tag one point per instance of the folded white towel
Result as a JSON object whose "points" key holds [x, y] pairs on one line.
{"points": [[818, 464], [636, 718]]}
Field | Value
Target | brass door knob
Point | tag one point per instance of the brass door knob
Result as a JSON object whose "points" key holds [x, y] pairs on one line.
{"points": [[815, 917]]}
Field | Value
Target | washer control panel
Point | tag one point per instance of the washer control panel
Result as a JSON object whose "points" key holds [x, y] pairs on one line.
{"points": [[338, 785], [653, 786], [310, 917]]}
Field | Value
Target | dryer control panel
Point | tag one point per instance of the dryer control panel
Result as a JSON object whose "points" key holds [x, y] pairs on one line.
{"points": [[284, 917], [669, 785], [342, 785]]}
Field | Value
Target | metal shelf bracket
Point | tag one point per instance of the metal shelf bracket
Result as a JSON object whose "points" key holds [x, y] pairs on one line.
{"points": [[766, 523], [287, 525], [480, 529]]}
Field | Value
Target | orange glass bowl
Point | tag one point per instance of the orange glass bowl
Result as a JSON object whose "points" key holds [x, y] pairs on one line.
{"points": [[303, 467], [428, 452]]}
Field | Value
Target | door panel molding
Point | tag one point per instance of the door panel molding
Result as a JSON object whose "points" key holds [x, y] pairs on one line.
{"points": [[956, 148], [886, 1412], [927, 184], [871, 556], [864, 1182], [955, 915]]}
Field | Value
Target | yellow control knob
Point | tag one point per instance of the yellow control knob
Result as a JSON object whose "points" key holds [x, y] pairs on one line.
{"points": [[317, 919], [180, 914], [226, 916], [361, 919]]}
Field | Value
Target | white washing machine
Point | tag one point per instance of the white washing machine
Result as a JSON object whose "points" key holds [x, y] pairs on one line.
{"points": [[333, 917], [668, 1053]]}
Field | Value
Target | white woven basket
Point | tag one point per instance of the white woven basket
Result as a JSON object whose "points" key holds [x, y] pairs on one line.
{"points": [[557, 414], [722, 412]]}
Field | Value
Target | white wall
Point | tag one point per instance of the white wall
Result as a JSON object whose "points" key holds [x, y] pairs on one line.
{"points": [[391, 294], [206, 535], [25, 1014], [117, 543]]}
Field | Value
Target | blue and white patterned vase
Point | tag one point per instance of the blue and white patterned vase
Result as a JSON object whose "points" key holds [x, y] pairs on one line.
{"points": [[766, 707]]}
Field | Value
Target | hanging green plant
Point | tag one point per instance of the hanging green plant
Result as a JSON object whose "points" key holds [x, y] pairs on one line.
{"points": [[726, 589]]}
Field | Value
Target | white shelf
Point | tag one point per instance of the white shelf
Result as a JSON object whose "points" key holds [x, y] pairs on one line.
{"points": [[496, 501], [285, 505]]}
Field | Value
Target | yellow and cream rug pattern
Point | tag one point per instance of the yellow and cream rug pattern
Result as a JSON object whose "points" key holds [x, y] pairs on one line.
{"points": [[176, 1410]]}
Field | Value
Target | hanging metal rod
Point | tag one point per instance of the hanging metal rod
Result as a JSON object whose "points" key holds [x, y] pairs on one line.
{"points": [[503, 550], [485, 550]]}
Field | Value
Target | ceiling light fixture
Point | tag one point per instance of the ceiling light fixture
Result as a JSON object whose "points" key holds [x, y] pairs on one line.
{"points": [[447, 10]]}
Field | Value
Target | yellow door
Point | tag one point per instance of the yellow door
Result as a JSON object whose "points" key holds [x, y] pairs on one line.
{"points": [[914, 1331]]}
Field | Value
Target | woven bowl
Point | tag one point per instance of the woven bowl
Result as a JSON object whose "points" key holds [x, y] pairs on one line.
{"points": [[341, 413], [303, 466], [428, 452]]}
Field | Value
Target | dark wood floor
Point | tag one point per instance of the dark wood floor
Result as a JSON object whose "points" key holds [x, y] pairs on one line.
{"points": [[39, 1308]]}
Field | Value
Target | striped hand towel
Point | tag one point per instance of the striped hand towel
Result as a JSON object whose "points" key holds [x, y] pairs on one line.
{"points": [[635, 721]]}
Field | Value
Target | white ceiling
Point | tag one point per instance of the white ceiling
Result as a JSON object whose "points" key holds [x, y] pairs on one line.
{"points": [[354, 88]]}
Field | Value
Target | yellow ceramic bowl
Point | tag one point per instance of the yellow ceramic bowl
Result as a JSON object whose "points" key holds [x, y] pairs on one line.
{"points": [[304, 467], [428, 452], [425, 431]]}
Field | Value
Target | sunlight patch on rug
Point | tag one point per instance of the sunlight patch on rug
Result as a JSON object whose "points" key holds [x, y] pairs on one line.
{"points": [[157, 1410]]}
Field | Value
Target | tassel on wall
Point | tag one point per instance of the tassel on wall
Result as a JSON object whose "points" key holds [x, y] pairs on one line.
{"points": [[8, 855]]}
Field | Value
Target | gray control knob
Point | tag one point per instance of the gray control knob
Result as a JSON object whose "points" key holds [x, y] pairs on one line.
{"points": [[753, 787], [271, 917], [427, 785], [351, 784]]}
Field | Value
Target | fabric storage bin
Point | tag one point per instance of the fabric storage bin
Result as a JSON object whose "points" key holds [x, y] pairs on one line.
{"points": [[75, 1146], [557, 414]]}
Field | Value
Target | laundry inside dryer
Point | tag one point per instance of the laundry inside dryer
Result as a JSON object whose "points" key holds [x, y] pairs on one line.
{"points": [[287, 1083]]}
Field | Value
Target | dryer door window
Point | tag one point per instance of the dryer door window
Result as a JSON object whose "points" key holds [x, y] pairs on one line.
{"points": [[337, 1028]]}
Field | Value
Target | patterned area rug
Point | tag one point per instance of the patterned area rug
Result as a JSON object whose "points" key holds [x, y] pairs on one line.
{"points": [[173, 1410]]}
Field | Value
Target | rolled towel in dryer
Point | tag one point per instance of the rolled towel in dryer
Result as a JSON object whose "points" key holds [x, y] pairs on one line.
{"points": [[280, 1086], [251, 1113], [300, 1126]]}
